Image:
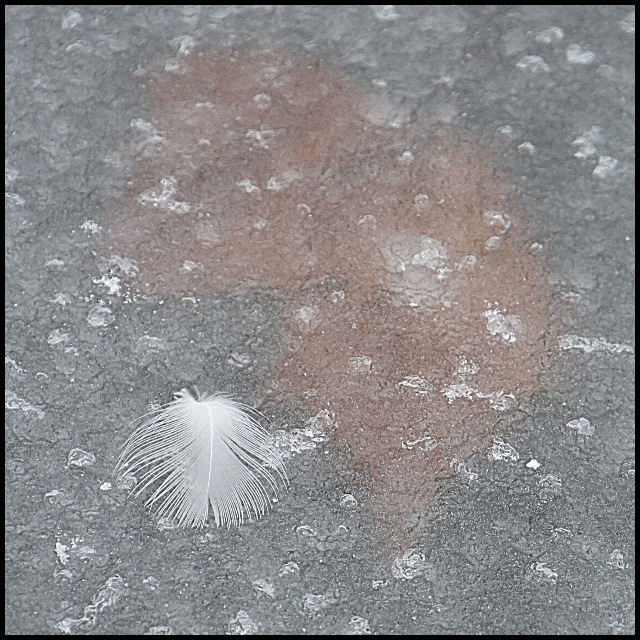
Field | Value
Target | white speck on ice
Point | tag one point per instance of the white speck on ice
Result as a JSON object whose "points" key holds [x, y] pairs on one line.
{"points": [[493, 243], [13, 200], [550, 35], [90, 226], [315, 603], [628, 24], [274, 185], [277, 184], [305, 317], [111, 283], [469, 260], [163, 197], [467, 367], [71, 20], [507, 327], [262, 100], [507, 130], [455, 391], [410, 565], [421, 201], [577, 55], [550, 482], [533, 464], [534, 64], [289, 568], [242, 625], [501, 450], [10, 176], [263, 586], [586, 143], [413, 262], [188, 266], [582, 426], [185, 45], [358, 626], [260, 138], [348, 502], [248, 186], [498, 218], [616, 560], [526, 148], [80, 458], [360, 364], [369, 221], [498, 400], [426, 443], [126, 265], [306, 439], [61, 552], [591, 345], [57, 336], [239, 359], [12, 402], [419, 385], [384, 12], [461, 468], [406, 158], [100, 316], [606, 165], [544, 571]]}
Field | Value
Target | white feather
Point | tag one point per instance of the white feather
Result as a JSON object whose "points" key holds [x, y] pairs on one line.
{"points": [[205, 451]]}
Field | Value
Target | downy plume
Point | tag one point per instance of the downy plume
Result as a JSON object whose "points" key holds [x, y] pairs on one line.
{"points": [[205, 451]]}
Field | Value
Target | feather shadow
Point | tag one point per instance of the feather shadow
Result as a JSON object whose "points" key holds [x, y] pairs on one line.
{"points": [[205, 453]]}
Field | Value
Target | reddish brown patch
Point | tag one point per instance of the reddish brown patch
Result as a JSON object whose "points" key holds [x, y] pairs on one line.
{"points": [[291, 187]]}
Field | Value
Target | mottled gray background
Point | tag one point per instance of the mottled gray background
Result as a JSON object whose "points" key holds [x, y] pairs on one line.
{"points": [[513, 550]]}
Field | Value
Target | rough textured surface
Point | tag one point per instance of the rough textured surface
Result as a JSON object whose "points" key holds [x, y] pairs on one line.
{"points": [[392, 251], [405, 233]]}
